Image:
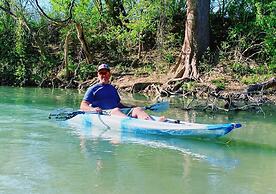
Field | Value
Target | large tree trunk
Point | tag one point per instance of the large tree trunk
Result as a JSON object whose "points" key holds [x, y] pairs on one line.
{"points": [[196, 40]]}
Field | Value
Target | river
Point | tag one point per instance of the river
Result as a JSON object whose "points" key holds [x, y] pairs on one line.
{"points": [[38, 155]]}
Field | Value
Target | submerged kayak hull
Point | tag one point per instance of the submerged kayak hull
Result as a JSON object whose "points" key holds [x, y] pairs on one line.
{"points": [[138, 126]]}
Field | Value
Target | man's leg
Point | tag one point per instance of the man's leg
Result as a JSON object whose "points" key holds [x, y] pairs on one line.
{"points": [[139, 113], [117, 112]]}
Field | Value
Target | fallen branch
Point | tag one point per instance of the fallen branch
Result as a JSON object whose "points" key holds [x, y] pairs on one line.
{"points": [[271, 83]]}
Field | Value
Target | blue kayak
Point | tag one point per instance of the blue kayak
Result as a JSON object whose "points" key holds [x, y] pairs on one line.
{"points": [[170, 127]]}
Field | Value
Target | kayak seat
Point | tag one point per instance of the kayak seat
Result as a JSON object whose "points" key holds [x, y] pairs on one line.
{"points": [[173, 121]]}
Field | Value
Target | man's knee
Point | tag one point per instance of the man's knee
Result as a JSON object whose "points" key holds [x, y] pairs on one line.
{"points": [[115, 110], [137, 109], [139, 112]]}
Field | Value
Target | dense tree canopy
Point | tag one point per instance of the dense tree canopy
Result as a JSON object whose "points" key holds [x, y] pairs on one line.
{"points": [[64, 40]]}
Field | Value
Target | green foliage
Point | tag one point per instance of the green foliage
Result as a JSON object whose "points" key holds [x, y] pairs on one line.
{"points": [[253, 32], [20, 74], [19, 39], [8, 56], [252, 79], [60, 9], [207, 61], [147, 68], [266, 21], [188, 86], [169, 57], [243, 30], [241, 69], [272, 68], [87, 71], [219, 83]]}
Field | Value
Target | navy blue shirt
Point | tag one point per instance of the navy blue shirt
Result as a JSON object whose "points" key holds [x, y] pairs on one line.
{"points": [[104, 96]]}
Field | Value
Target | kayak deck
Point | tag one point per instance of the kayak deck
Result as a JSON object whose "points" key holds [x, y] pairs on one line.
{"points": [[170, 127]]}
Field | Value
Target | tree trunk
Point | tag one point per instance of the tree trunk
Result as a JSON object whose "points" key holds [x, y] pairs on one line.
{"points": [[66, 50], [196, 40], [161, 31], [99, 6], [83, 43], [140, 46]]}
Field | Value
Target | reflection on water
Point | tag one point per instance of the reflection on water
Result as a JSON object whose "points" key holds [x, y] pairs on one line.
{"points": [[197, 149]]}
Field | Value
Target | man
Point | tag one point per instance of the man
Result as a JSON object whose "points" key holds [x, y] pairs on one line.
{"points": [[104, 96]]}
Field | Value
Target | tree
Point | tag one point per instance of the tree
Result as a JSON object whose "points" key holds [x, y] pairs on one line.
{"points": [[195, 43], [80, 34], [25, 44], [21, 19]]}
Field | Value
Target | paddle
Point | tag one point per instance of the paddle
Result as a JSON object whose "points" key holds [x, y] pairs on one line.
{"points": [[65, 114]]}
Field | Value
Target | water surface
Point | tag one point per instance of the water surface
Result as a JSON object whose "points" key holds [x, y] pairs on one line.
{"points": [[38, 155]]}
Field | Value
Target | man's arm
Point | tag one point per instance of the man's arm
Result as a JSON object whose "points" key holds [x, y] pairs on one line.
{"points": [[85, 106]]}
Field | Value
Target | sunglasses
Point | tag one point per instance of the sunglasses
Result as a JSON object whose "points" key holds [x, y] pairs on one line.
{"points": [[103, 72]]}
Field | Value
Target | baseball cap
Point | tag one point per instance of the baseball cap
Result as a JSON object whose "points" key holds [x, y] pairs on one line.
{"points": [[103, 66]]}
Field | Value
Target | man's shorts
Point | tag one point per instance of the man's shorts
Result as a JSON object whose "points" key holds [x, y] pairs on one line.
{"points": [[126, 111]]}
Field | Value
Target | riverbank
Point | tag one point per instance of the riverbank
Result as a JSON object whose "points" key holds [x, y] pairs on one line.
{"points": [[220, 83]]}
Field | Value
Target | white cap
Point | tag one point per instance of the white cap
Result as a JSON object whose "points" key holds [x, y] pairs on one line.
{"points": [[104, 66]]}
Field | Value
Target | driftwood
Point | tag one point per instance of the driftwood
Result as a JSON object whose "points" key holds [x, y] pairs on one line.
{"points": [[271, 83]]}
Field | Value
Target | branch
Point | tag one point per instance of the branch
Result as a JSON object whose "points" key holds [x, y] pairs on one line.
{"points": [[253, 46], [22, 18], [264, 85], [8, 12], [58, 21]]}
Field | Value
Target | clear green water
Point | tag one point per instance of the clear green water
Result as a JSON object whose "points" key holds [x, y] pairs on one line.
{"points": [[38, 155]]}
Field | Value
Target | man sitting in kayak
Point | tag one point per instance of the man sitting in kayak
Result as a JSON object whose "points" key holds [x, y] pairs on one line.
{"points": [[104, 96]]}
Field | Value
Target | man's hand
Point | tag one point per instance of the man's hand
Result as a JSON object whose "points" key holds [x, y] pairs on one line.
{"points": [[96, 109]]}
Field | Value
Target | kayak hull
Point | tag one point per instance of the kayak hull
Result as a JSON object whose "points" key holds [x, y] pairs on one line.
{"points": [[138, 126]]}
